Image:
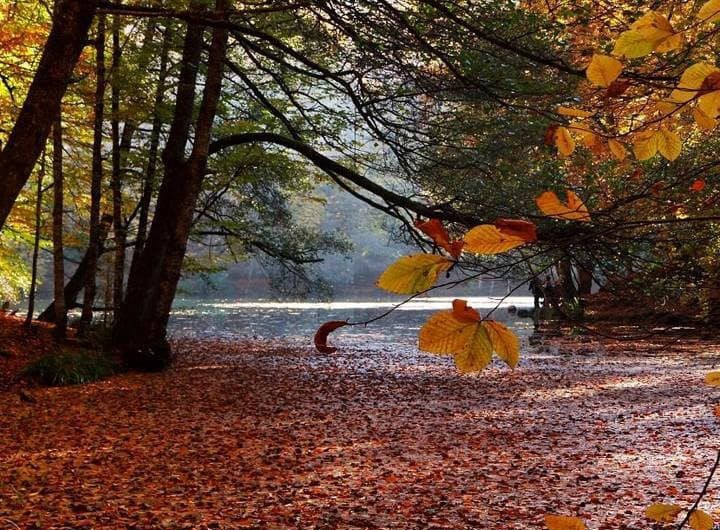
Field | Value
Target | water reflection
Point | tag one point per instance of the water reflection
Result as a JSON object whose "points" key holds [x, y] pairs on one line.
{"points": [[297, 321]]}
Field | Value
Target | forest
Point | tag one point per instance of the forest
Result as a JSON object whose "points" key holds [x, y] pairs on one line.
{"points": [[380, 264]]}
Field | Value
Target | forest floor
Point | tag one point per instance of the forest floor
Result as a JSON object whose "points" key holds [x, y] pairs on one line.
{"points": [[264, 435]]}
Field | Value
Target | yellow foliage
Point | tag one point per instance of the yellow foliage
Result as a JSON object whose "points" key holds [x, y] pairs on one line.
{"points": [[651, 32], [662, 513], [713, 378], [699, 520], [413, 274], [691, 80], [669, 143], [574, 210], [563, 522], [488, 239], [603, 70], [645, 145], [710, 11], [617, 149], [564, 142], [462, 333], [574, 113]]}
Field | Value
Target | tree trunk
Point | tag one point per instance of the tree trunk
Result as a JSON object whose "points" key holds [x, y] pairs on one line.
{"points": [[118, 147], [97, 174], [141, 330], [77, 280], [71, 23], [60, 311], [149, 182], [36, 243], [585, 279]]}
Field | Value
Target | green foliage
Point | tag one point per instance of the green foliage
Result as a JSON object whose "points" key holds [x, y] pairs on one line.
{"points": [[70, 368]]}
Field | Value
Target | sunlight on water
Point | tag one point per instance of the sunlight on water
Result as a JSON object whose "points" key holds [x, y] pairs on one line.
{"points": [[297, 321]]}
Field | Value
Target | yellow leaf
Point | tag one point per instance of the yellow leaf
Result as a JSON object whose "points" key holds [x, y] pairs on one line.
{"points": [[699, 520], [564, 142], [413, 274], [668, 143], [504, 342], [574, 210], [713, 378], [603, 70], [710, 103], [487, 239], [574, 113], [704, 122], [670, 43], [710, 11], [645, 145], [691, 80], [444, 333], [477, 353], [617, 149], [632, 44], [562, 522], [662, 513]]}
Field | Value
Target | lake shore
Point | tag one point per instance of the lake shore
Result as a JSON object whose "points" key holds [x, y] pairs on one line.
{"points": [[261, 434]]}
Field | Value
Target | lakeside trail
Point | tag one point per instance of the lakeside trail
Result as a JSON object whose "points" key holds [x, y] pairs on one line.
{"points": [[265, 435]]}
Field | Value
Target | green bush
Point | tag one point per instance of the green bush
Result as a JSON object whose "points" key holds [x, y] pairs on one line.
{"points": [[70, 368]]}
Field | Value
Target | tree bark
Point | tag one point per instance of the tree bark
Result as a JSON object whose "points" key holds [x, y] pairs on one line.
{"points": [[141, 330], [97, 175], [36, 243], [60, 311], [119, 147], [71, 23], [151, 170], [77, 280]]}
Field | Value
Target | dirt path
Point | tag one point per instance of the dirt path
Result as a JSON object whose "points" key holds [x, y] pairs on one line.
{"points": [[262, 436]]}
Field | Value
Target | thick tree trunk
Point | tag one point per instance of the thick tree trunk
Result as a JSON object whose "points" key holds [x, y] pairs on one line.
{"points": [[71, 23], [77, 280], [97, 174], [57, 231], [141, 330], [36, 243], [585, 279]]}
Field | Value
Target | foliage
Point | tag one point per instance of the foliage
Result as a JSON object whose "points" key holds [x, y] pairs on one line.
{"points": [[70, 367]]}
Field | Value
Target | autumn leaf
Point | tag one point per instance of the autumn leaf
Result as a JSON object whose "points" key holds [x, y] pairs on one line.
{"points": [[691, 81], [703, 121], [645, 145], [662, 513], [563, 522], [489, 239], [710, 11], [669, 143], [651, 32], [462, 333], [699, 520], [439, 234], [564, 142], [549, 204], [504, 342], [713, 378], [698, 185], [603, 70], [321, 336], [413, 274], [617, 149], [517, 227]]}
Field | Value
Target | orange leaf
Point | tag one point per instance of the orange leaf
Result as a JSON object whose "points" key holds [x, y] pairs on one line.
{"points": [[321, 336], [517, 228], [549, 204], [463, 312], [698, 185], [437, 232]]}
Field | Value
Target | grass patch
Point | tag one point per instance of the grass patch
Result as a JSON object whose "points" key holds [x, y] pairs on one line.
{"points": [[70, 368]]}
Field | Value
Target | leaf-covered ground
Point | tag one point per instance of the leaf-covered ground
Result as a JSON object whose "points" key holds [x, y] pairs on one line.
{"points": [[257, 435]]}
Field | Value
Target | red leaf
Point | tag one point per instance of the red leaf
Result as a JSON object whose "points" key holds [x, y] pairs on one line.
{"points": [[617, 88], [435, 229], [464, 312], [518, 228], [321, 336], [698, 185]]}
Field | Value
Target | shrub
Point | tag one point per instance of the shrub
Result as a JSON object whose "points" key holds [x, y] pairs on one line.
{"points": [[70, 368]]}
